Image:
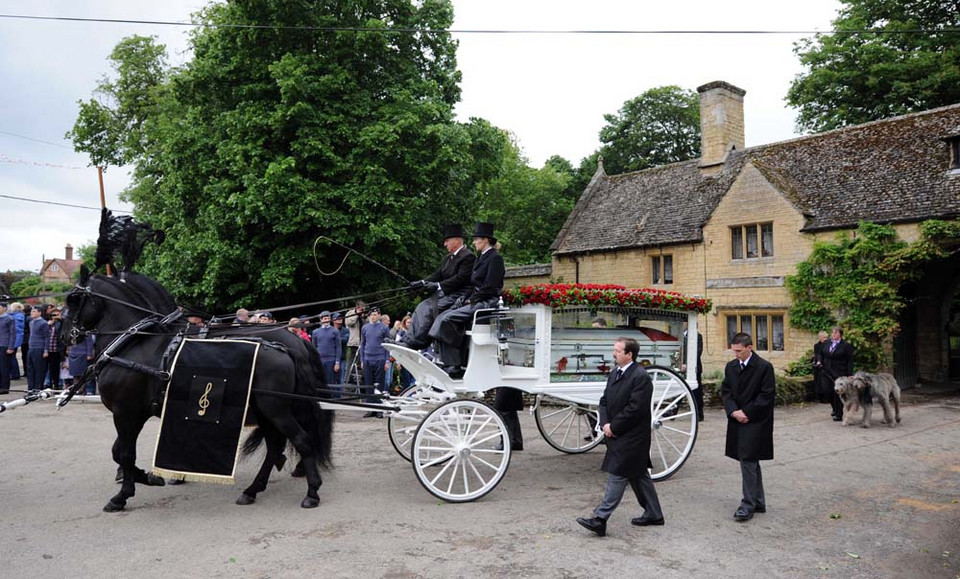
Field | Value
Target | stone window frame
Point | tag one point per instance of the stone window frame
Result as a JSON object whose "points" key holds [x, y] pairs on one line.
{"points": [[740, 239], [660, 266], [954, 143], [770, 321]]}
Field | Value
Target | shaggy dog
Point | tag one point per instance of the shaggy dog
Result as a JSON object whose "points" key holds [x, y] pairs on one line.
{"points": [[862, 389]]}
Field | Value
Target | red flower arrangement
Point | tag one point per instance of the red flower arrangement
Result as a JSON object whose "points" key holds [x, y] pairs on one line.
{"points": [[559, 295]]}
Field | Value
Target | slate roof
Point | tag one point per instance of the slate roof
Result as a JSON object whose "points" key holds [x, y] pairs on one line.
{"points": [[534, 269], [894, 170]]}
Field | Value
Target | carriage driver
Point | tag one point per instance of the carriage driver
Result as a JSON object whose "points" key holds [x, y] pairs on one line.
{"points": [[486, 285], [446, 285]]}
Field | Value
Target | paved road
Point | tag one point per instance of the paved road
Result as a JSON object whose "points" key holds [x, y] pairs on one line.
{"points": [[843, 502]]}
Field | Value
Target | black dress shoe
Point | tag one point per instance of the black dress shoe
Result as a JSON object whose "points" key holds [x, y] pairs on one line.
{"points": [[641, 522], [595, 524], [455, 372], [742, 515], [370, 414], [837, 418], [760, 509]]}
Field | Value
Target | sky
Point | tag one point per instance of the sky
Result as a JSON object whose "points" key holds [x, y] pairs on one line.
{"points": [[550, 90]]}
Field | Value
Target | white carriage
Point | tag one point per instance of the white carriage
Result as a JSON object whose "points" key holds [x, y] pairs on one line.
{"points": [[458, 444]]}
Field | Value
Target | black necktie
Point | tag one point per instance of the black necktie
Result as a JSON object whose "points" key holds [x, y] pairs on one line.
{"points": [[619, 374], [742, 366]]}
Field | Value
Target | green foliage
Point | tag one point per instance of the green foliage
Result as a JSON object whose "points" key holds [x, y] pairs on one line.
{"points": [[34, 285], [660, 126], [803, 366], [790, 389], [854, 78], [273, 136], [855, 282]]}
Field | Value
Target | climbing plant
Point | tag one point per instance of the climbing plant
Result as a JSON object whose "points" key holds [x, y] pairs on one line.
{"points": [[854, 282]]}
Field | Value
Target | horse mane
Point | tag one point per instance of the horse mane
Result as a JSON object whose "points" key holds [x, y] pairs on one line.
{"points": [[142, 291], [122, 236]]}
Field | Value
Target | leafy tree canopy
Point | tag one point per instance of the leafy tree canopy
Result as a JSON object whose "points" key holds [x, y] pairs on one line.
{"points": [[854, 78], [660, 126], [855, 282], [271, 137]]}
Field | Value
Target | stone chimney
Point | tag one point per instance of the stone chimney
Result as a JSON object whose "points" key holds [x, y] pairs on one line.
{"points": [[721, 124], [69, 252]]}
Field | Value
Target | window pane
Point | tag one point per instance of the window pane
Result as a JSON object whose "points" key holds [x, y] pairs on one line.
{"points": [[736, 242], [777, 333], [746, 325], [766, 241], [655, 266], [668, 269], [761, 338], [731, 329], [751, 241]]}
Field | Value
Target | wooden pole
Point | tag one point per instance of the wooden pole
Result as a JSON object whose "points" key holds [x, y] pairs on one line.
{"points": [[103, 202]]}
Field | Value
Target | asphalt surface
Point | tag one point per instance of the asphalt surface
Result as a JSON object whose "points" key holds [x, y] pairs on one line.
{"points": [[842, 502]]}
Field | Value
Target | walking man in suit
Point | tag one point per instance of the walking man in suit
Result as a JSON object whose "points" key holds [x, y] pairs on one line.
{"points": [[748, 394], [837, 361], [446, 285], [625, 416]]}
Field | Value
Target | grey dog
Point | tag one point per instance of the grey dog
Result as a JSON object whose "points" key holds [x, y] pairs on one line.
{"points": [[862, 389]]}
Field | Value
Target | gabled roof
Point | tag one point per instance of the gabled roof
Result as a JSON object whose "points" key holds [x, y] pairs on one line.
{"points": [[894, 170], [66, 266]]}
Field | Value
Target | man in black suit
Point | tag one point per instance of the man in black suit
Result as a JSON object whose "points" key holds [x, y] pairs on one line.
{"points": [[447, 284], [486, 285], [837, 361], [625, 416], [748, 392]]}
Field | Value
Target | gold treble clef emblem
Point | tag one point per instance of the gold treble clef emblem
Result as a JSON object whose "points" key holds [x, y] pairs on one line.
{"points": [[204, 400]]}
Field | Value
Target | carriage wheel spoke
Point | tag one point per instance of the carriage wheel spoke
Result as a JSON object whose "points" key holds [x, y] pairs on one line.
{"points": [[442, 470], [670, 442], [683, 432], [663, 458]]}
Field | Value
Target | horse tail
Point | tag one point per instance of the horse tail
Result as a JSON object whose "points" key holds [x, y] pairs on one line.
{"points": [[253, 442], [317, 422]]}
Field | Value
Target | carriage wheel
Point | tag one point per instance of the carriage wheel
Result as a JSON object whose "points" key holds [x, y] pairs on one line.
{"points": [[566, 426], [674, 422], [455, 451], [402, 426]]}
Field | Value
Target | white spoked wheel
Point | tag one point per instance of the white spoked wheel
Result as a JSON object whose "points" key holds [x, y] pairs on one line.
{"points": [[456, 451], [674, 422], [567, 426], [402, 426]]}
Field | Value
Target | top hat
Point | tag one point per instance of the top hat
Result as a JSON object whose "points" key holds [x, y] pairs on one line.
{"points": [[485, 229], [452, 230]]}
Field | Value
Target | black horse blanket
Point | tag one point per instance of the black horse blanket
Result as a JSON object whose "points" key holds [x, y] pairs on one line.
{"points": [[204, 410]]}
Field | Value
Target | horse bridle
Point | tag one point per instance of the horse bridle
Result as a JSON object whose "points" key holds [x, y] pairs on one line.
{"points": [[77, 331]]}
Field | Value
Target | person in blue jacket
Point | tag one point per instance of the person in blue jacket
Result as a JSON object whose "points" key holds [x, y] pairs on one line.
{"points": [[39, 349], [8, 337], [16, 312], [326, 339]]}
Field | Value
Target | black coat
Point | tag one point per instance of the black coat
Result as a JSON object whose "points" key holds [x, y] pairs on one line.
{"points": [[625, 405], [754, 391], [454, 273], [487, 277], [839, 362], [508, 400]]}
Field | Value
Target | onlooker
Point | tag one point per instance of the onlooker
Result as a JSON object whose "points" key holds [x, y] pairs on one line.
{"points": [[54, 350], [38, 353], [599, 323], [748, 394], [824, 390], [388, 374], [243, 317], [265, 318], [8, 337], [354, 321], [406, 378], [326, 339], [625, 416], [374, 357], [16, 312], [837, 362], [337, 321], [79, 357], [295, 327]]}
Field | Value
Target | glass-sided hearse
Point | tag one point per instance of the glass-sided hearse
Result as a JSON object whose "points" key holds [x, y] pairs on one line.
{"points": [[555, 343]]}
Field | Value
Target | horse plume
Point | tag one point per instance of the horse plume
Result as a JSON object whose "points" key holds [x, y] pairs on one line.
{"points": [[123, 236]]}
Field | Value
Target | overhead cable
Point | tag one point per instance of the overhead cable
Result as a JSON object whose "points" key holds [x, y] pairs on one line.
{"points": [[44, 202]]}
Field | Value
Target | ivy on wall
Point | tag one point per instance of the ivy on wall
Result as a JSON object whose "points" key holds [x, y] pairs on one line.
{"points": [[854, 282]]}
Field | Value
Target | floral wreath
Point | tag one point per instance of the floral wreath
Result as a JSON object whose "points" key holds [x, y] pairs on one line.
{"points": [[558, 295]]}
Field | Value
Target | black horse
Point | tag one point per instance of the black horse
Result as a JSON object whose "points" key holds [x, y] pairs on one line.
{"points": [[109, 306]]}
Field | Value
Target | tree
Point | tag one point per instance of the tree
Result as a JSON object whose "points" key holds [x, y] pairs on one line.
{"points": [[272, 136], [660, 126], [908, 61], [855, 281]]}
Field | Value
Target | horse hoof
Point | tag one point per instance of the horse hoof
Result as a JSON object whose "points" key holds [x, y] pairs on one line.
{"points": [[310, 503], [245, 499], [113, 507], [155, 481]]}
